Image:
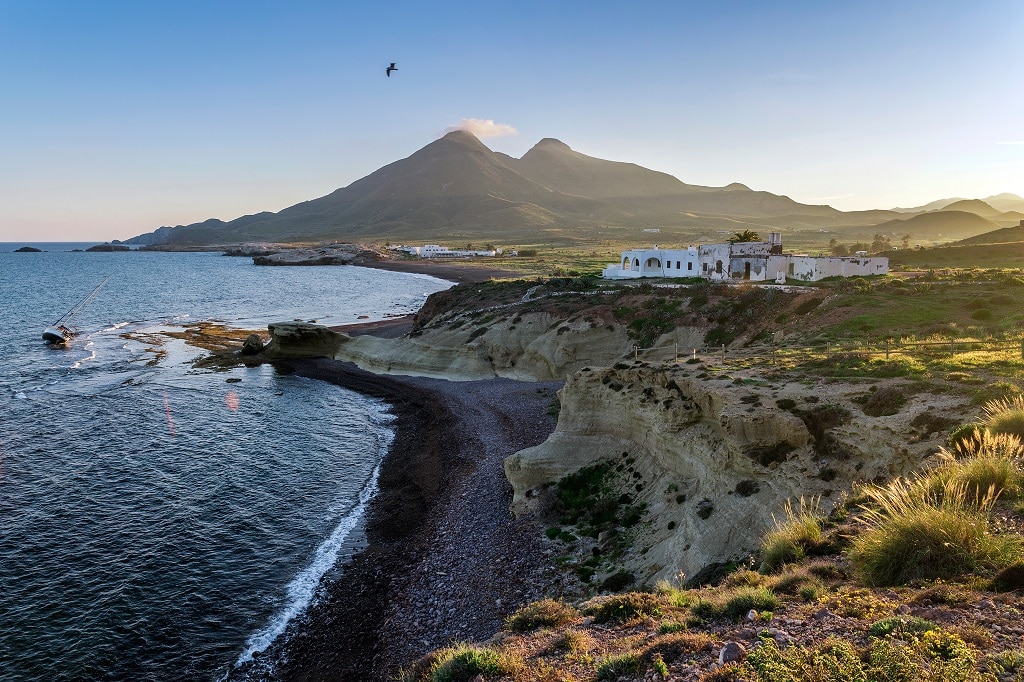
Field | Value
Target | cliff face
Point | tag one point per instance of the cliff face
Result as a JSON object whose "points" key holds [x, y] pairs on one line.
{"points": [[711, 460], [530, 346]]}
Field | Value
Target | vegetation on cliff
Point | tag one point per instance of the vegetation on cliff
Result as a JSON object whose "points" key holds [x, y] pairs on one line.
{"points": [[918, 578]]}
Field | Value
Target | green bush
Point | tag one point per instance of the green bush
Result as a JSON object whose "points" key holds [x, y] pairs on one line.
{"points": [[615, 667], [901, 627], [735, 603], [544, 613], [463, 662], [914, 533], [792, 536], [1005, 415], [620, 608]]}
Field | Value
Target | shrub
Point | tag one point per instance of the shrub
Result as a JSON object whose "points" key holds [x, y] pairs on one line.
{"points": [[574, 641], [885, 401], [914, 533], [735, 603], [986, 462], [618, 581], [544, 613], [614, 667], [1009, 578], [796, 582], [834, 660], [901, 627], [675, 647], [623, 607], [463, 662], [792, 536], [1005, 415]]}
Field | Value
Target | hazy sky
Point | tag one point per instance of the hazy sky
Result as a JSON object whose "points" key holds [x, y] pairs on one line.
{"points": [[119, 117]]}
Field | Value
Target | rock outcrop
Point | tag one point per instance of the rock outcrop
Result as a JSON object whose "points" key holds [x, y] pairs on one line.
{"points": [[529, 346], [333, 254], [711, 459]]}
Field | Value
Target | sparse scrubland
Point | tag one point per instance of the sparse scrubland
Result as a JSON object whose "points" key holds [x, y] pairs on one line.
{"points": [[913, 577]]}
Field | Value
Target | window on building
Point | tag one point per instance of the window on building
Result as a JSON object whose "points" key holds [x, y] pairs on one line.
{"points": [[689, 266], [705, 266]]}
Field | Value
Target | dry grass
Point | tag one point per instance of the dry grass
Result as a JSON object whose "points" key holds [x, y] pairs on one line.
{"points": [[913, 532], [792, 536]]}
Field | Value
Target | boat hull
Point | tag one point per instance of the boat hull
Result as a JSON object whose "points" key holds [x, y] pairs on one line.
{"points": [[56, 335]]}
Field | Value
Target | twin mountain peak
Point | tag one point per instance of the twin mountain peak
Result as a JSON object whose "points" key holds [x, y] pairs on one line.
{"points": [[456, 188]]}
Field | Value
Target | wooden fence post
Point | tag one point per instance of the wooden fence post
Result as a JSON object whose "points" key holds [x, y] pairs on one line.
{"points": [[723, 353], [636, 352], [1021, 350], [675, 358], [887, 349]]}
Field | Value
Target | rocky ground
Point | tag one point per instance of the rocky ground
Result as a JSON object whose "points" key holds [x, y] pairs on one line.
{"points": [[446, 561]]}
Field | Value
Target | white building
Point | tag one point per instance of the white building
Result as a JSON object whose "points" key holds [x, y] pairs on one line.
{"points": [[741, 261], [437, 251]]}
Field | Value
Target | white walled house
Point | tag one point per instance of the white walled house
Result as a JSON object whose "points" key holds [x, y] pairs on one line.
{"points": [[739, 262], [438, 251], [657, 263]]}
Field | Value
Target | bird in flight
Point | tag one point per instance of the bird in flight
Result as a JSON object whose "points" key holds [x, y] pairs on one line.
{"points": [[390, 69]]}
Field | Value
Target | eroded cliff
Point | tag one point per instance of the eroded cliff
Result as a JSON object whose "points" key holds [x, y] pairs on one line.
{"points": [[706, 460], [533, 346]]}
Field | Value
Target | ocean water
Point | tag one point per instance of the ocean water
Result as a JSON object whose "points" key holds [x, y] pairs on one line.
{"points": [[159, 521]]}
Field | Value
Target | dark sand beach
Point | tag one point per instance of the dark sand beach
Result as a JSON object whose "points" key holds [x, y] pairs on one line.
{"points": [[445, 560]]}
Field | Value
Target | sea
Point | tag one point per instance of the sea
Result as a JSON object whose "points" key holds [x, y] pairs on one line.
{"points": [[160, 520]]}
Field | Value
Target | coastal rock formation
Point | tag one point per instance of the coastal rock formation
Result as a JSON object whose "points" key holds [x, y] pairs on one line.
{"points": [[711, 459], [529, 346], [301, 340], [332, 254]]}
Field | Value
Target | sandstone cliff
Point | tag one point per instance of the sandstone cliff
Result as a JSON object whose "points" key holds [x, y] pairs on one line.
{"points": [[536, 346], [710, 459]]}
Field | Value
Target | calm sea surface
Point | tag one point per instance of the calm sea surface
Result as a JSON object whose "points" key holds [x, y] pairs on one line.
{"points": [[158, 522]]}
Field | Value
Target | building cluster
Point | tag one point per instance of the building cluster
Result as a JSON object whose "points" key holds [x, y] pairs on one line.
{"points": [[436, 251], [741, 261]]}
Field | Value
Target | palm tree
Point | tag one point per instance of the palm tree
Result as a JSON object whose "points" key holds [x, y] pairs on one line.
{"points": [[745, 236]]}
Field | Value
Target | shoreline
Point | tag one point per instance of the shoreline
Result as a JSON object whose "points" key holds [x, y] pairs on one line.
{"points": [[443, 558], [460, 273]]}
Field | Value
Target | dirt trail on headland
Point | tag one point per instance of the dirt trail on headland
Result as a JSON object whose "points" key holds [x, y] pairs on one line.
{"points": [[445, 558]]}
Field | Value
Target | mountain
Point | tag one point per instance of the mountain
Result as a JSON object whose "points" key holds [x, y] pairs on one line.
{"points": [[975, 206], [1005, 235], [949, 224], [456, 187], [999, 202]]}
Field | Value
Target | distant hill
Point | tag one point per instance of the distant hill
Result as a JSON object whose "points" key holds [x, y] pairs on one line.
{"points": [[1003, 235], [975, 206], [456, 187], [999, 202], [948, 224]]}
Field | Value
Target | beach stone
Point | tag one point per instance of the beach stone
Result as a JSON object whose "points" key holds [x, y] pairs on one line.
{"points": [[732, 652], [253, 345]]}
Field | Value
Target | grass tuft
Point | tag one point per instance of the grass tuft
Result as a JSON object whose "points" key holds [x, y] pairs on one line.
{"points": [[620, 608], [546, 613], [914, 532], [1005, 415], [792, 536]]}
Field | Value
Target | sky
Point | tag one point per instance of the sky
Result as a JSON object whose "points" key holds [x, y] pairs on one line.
{"points": [[119, 117]]}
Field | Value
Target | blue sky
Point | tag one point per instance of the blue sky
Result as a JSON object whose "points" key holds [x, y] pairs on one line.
{"points": [[120, 117]]}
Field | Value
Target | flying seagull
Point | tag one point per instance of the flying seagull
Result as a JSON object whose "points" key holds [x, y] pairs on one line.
{"points": [[390, 69]]}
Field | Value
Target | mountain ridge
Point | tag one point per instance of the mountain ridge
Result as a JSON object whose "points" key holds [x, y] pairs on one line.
{"points": [[456, 187]]}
